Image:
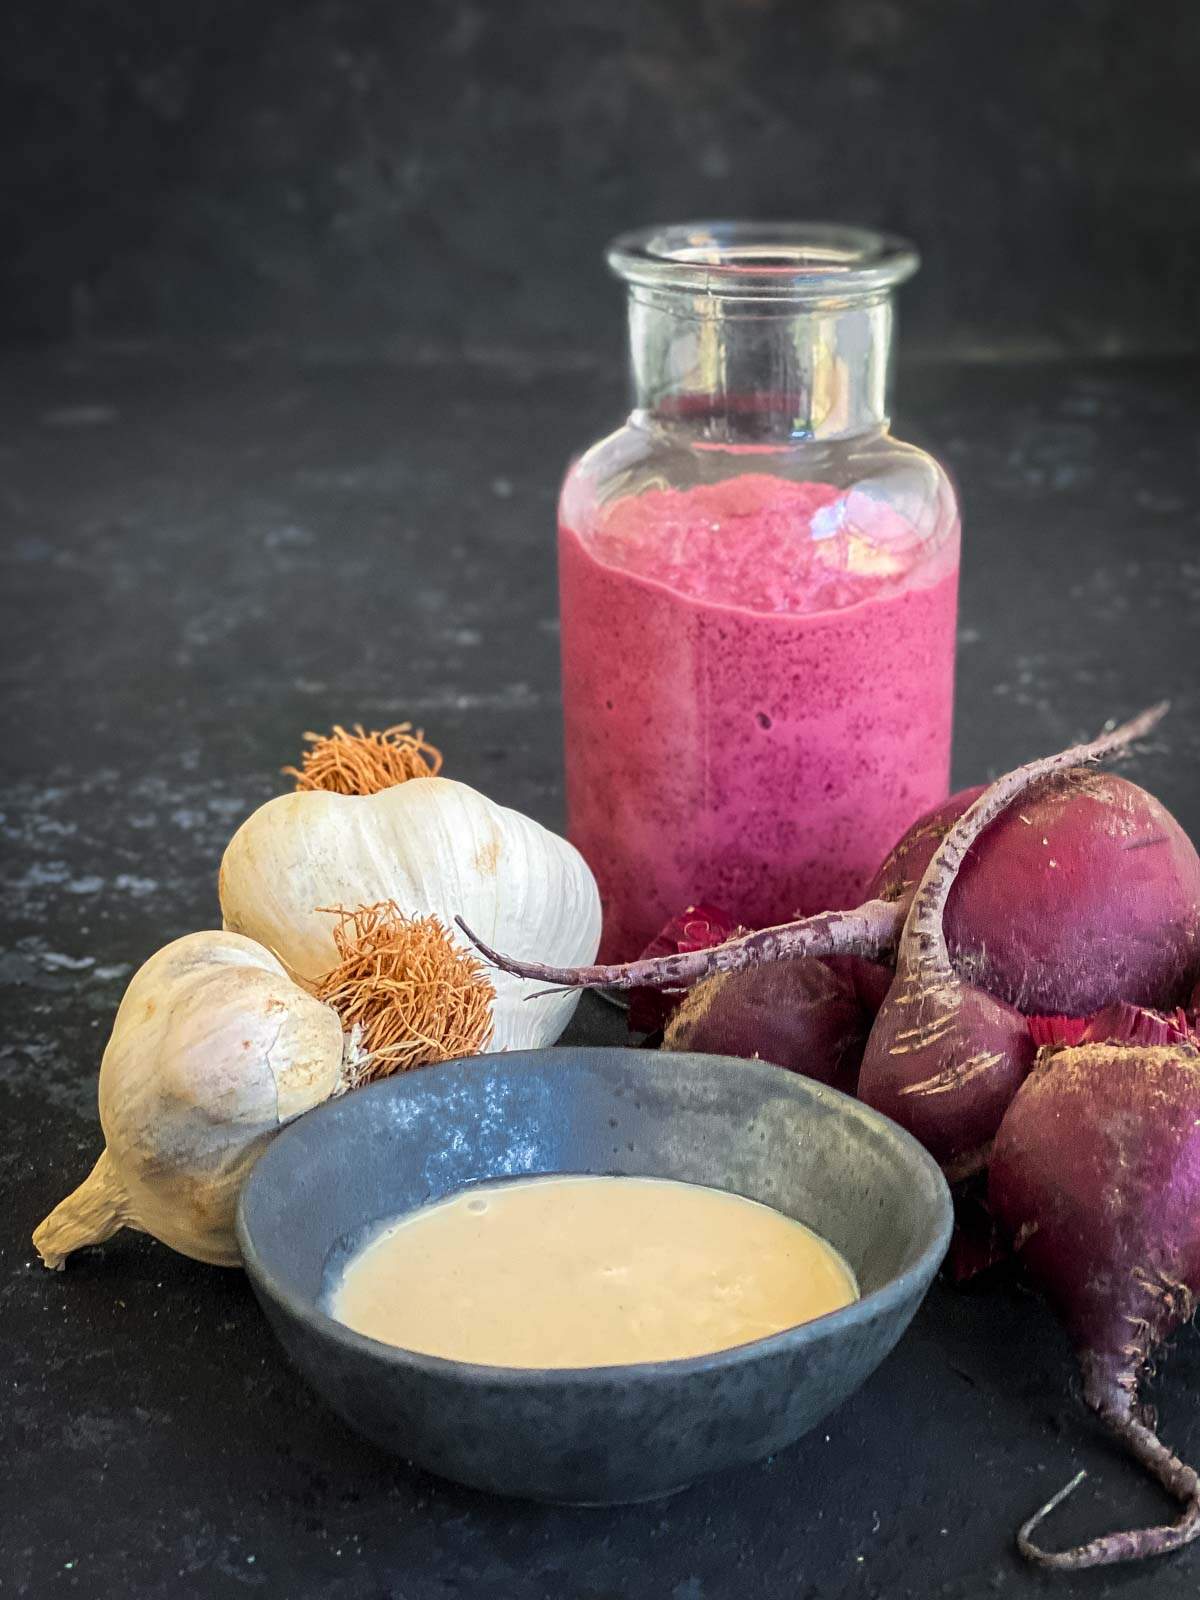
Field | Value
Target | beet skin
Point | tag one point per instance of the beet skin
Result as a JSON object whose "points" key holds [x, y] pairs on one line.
{"points": [[1095, 1175], [944, 1060], [798, 1014], [1086, 892]]}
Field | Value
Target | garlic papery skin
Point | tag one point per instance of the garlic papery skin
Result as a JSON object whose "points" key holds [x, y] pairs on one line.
{"points": [[214, 1047], [434, 846]]}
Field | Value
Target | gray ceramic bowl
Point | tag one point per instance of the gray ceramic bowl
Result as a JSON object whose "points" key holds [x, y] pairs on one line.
{"points": [[599, 1434]]}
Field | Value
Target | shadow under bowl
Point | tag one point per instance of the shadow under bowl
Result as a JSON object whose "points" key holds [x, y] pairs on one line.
{"points": [[594, 1435]]}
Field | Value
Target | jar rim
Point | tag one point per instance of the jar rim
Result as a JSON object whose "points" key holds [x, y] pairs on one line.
{"points": [[801, 262]]}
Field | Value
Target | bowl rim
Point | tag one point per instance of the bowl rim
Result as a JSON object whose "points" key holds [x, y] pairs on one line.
{"points": [[866, 1308]]}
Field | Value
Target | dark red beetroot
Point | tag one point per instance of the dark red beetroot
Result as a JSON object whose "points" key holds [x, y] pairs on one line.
{"points": [[799, 1014], [978, 1241], [1109, 902], [945, 1058], [1095, 1173]]}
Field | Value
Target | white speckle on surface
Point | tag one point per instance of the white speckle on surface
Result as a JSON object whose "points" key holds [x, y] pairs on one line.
{"points": [[90, 883], [226, 806], [40, 874], [115, 969], [132, 884]]}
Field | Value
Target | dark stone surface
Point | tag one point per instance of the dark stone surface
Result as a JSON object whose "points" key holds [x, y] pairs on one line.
{"points": [[334, 1178], [204, 555], [449, 170]]}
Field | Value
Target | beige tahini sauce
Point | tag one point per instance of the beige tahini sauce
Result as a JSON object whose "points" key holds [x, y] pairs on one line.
{"points": [[588, 1271]]}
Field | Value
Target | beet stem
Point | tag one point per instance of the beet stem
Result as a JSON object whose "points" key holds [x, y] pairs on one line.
{"points": [[869, 930], [1115, 1410]]}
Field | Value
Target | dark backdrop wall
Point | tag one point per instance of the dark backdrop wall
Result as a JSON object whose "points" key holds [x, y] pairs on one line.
{"points": [[446, 170]]}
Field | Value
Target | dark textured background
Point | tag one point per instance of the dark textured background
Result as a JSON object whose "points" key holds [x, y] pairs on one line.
{"points": [[447, 172], [324, 289]]}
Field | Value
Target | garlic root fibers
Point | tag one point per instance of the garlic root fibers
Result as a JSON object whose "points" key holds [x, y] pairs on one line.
{"points": [[406, 991], [365, 762]]}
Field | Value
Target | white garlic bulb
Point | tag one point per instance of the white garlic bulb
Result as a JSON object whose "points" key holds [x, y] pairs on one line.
{"points": [[213, 1049], [434, 846]]}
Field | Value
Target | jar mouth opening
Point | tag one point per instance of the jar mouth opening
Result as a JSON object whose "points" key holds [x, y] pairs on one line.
{"points": [[802, 262]]}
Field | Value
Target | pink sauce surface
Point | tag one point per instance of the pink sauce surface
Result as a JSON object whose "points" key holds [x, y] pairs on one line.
{"points": [[758, 690]]}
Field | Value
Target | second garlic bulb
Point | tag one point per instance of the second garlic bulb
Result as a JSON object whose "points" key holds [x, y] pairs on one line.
{"points": [[213, 1049]]}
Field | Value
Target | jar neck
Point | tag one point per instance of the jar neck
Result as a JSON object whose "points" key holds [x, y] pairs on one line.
{"points": [[730, 371]]}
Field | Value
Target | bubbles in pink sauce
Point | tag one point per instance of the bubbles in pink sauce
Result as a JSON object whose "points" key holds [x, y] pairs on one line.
{"points": [[758, 687]]}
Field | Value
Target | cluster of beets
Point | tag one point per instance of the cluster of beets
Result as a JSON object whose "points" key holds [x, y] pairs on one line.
{"points": [[1020, 991]]}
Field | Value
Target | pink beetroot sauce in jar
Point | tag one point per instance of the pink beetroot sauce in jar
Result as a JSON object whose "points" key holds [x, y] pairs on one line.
{"points": [[758, 587]]}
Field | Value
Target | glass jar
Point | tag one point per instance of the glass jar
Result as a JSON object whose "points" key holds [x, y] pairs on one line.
{"points": [[758, 586]]}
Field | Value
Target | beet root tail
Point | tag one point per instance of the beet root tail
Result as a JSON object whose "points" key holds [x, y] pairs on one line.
{"points": [[870, 930], [1118, 1413]]}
